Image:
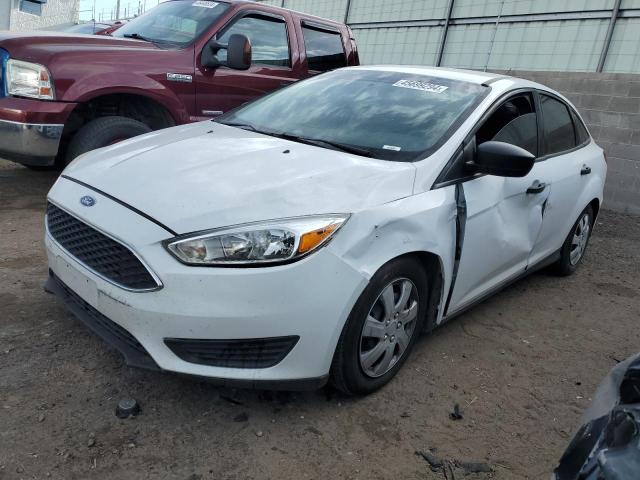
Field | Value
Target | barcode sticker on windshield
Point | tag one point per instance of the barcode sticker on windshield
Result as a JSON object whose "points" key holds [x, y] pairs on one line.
{"points": [[392, 147], [417, 85], [205, 4]]}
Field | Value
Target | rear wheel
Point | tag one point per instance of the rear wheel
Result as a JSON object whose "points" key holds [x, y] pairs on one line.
{"points": [[575, 244], [102, 132], [382, 328]]}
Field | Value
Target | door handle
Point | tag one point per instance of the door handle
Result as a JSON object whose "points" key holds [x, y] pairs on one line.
{"points": [[585, 170], [536, 187]]}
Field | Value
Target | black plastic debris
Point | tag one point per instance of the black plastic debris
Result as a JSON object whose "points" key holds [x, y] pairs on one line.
{"points": [[127, 407], [434, 462], [474, 467], [607, 446], [456, 415]]}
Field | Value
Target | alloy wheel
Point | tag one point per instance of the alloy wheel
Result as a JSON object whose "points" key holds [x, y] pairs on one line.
{"points": [[580, 239], [389, 327]]}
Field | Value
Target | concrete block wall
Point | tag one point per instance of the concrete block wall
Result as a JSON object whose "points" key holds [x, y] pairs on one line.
{"points": [[610, 106]]}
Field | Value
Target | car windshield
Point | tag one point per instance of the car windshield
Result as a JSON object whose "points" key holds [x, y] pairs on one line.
{"points": [[178, 22], [88, 28], [379, 114]]}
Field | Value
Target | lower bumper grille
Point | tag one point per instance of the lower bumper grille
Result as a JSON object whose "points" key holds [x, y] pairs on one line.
{"points": [[245, 353], [112, 333]]}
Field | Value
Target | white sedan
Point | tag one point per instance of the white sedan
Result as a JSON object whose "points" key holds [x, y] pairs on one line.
{"points": [[313, 234]]}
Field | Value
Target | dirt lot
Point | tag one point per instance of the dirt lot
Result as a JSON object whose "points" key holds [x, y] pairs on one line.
{"points": [[522, 366]]}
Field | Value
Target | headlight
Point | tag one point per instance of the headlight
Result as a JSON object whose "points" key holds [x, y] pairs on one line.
{"points": [[257, 243], [25, 79]]}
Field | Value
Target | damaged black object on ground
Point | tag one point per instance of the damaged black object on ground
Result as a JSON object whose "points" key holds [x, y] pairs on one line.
{"points": [[607, 446]]}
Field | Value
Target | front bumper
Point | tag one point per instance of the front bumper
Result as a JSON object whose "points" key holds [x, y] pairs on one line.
{"points": [[31, 130], [310, 299]]}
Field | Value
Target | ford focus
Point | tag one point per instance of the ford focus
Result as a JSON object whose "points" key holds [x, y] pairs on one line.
{"points": [[314, 234]]}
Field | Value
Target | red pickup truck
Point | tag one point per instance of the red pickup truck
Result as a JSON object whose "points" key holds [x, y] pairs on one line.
{"points": [[183, 61]]}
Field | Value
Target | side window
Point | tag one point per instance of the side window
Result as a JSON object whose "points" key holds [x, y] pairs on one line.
{"points": [[582, 135], [324, 49], [268, 36], [34, 8], [513, 122], [558, 126]]}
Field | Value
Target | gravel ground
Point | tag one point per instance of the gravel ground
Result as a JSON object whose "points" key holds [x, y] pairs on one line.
{"points": [[522, 366]]}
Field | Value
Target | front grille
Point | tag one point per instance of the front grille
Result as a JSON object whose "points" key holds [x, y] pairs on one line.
{"points": [[245, 353], [115, 335], [110, 259]]}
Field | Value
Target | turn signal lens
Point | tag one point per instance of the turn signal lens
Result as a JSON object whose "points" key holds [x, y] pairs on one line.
{"points": [[311, 240]]}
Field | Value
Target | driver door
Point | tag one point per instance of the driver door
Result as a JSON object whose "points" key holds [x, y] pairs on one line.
{"points": [[504, 215], [221, 89]]}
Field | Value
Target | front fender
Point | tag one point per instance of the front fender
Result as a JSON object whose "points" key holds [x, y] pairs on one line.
{"points": [[90, 87], [419, 223]]}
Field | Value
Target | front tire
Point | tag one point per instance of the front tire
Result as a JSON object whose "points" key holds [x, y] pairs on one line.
{"points": [[382, 328], [102, 132], [575, 245]]}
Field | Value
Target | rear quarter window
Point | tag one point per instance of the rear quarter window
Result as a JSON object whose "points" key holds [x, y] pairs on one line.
{"points": [[558, 129]]}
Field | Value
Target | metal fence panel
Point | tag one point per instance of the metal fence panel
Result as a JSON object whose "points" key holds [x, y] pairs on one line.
{"points": [[404, 45], [624, 52]]}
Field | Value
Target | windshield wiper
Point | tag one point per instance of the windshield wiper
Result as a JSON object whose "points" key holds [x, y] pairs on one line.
{"points": [[343, 147], [244, 126], [137, 36]]}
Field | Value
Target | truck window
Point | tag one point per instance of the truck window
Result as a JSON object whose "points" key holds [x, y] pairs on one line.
{"points": [[324, 49], [268, 36]]}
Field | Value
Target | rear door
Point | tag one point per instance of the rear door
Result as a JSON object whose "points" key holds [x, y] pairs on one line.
{"points": [[222, 89], [568, 164], [503, 215]]}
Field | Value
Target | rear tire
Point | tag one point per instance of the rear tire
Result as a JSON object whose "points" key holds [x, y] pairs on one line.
{"points": [[575, 245], [102, 132], [382, 328]]}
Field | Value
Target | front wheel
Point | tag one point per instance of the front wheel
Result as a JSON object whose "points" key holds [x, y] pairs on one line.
{"points": [[102, 132], [575, 244], [382, 328]]}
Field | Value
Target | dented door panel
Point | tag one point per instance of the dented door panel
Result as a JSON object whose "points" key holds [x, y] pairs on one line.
{"points": [[502, 227]]}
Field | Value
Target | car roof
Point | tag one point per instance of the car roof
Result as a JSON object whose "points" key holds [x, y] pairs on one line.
{"points": [[499, 81], [470, 76]]}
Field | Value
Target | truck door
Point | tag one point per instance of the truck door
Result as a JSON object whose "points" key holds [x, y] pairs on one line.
{"points": [[221, 89]]}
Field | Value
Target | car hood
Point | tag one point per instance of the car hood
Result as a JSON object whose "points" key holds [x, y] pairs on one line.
{"points": [[207, 175], [42, 47]]}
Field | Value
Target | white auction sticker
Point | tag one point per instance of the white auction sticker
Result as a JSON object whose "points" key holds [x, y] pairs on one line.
{"points": [[392, 147], [417, 85], [205, 4]]}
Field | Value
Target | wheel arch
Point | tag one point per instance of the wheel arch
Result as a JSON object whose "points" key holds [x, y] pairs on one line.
{"points": [[136, 106]]}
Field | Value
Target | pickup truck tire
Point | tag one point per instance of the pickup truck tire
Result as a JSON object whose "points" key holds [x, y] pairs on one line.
{"points": [[102, 132]]}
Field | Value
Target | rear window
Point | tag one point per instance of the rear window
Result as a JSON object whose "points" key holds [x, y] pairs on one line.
{"points": [[324, 49]]}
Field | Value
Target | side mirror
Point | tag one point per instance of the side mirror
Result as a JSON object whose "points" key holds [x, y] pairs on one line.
{"points": [[238, 53], [502, 160]]}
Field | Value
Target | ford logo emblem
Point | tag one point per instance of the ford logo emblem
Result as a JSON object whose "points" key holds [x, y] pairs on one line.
{"points": [[88, 201]]}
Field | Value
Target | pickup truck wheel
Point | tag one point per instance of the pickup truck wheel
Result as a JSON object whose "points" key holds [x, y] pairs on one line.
{"points": [[102, 132]]}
